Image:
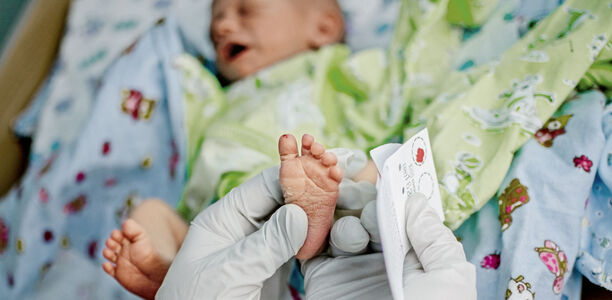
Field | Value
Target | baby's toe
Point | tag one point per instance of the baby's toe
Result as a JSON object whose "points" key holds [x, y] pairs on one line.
{"points": [[109, 255], [132, 230], [109, 268], [287, 147], [113, 245], [116, 236], [307, 141], [336, 173], [329, 159], [317, 150]]}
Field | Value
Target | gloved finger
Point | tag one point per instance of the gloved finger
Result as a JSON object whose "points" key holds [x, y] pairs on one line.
{"points": [[356, 277], [352, 161], [450, 283], [261, 195], [369, 222], [434, 244], [202, 270], [348, 237], [244, 208], [258, 256], [355, 195]]}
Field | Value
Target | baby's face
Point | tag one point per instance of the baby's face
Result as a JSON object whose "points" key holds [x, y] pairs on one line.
{"points": [[249, 35]]}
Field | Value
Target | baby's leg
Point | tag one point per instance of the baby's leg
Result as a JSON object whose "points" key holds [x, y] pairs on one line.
{"points": [[310, 181], [164, 226], [369, 174], [140, 254]]}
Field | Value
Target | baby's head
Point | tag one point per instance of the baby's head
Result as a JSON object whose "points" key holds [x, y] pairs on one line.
{"points": [[250, 35]]}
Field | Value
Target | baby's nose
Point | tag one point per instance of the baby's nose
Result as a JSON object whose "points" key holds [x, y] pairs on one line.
{"points": [[223, 26]]}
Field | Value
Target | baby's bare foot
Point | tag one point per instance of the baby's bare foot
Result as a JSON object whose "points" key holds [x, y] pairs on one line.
{"points": [[310, 181], [133, 261]]}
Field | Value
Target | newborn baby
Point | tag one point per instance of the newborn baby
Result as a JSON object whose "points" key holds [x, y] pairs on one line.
{"points": [[249, 35]]}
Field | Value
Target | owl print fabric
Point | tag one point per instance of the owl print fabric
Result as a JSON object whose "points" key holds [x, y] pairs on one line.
{"points": [[525, 241], [595, 256]]}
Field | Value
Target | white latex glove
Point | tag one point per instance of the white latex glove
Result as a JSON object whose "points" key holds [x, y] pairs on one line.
{"points": [[353, 195], [435, 267], [229, 251]]}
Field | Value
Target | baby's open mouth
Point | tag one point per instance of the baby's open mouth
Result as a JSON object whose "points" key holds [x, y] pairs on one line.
{"points": [[232, 51]]}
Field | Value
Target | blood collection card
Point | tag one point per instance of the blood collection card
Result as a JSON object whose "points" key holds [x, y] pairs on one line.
{"points": [[402, 171]]}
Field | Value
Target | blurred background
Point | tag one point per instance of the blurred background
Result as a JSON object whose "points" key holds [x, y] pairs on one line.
{"points": [[32, 32], [10, 10]]}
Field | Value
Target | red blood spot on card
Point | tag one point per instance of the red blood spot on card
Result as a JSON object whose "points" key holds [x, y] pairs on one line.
{"points": [[420, 155]]}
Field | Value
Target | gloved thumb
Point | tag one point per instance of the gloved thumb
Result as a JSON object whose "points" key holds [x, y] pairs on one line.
{"points": [[440, 254], [348, 237], [238, 271], [434, 244], [256, 258], [280, 238]]}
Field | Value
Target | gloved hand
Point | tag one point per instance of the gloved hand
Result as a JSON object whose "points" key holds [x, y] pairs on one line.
{"points": [[434, 268], [229, 251]]}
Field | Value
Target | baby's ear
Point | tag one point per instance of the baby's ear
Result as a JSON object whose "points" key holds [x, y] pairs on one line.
{"points": [[328, 28]]}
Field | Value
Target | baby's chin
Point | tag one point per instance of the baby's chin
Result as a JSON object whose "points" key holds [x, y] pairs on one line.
{"points": [[235, 72]]}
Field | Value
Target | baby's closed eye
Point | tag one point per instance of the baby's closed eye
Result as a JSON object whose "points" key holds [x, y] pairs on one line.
{"points": [[249, 8]]}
